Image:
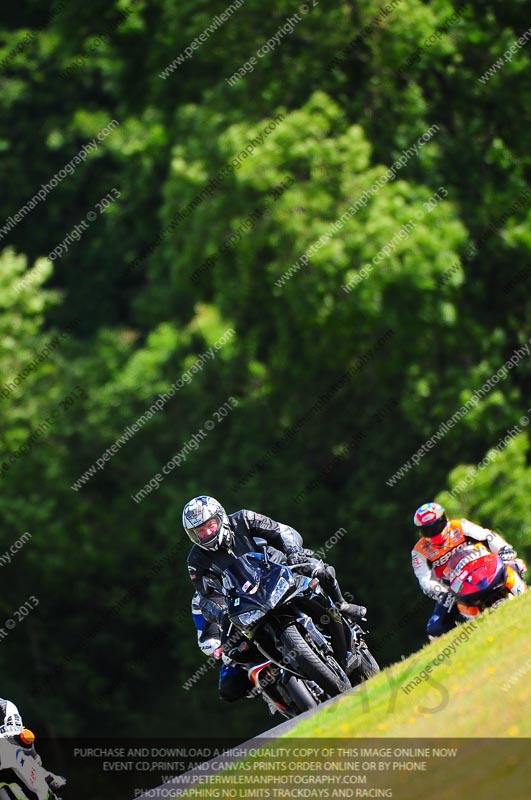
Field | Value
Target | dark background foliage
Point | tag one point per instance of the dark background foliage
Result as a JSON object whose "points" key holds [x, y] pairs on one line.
{"points": [[111, 643]]}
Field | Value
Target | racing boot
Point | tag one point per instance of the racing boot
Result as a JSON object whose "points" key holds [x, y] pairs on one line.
{"points": [[354, 612], [327, 576]]}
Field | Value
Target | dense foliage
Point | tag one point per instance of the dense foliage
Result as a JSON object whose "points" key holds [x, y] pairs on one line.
{"points": [[180, 208]]}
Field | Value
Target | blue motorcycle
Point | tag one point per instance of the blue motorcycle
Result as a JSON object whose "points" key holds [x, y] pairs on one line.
{"points": [[288, 618]]}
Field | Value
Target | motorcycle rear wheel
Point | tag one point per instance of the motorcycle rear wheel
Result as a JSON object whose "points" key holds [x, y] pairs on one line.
{"points": [[306, 661], [367, 668]]}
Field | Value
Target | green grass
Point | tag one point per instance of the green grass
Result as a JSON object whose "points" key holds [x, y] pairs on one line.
{"points": [[462, 696], [475, 700]]}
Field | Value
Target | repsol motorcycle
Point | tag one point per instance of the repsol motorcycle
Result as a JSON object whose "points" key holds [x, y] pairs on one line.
{"points": [[479, 579], [313, 650], [22, 777]]}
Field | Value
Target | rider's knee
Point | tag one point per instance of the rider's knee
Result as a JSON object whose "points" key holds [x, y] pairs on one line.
{"points": [[228, 695], [324, 572], [233, 683]]}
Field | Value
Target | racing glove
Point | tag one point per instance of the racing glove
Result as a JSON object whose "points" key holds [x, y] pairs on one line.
{"points": [[296, 555], [507, 553]]}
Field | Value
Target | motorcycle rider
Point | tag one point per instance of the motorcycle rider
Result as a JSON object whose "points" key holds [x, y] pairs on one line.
{"points": [[11, 725], [10, 719], [208, 633], [439, 539], [233, 683], [219, 538]]}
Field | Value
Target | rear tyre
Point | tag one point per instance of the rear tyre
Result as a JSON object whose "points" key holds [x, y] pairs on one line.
{"points": [[367, 668], [302, 658]]}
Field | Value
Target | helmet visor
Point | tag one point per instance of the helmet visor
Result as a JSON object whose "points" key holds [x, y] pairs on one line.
{"points": [[205, 534], [434, 528]]}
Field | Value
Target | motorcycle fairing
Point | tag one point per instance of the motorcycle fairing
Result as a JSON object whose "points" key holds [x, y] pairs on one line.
{"points": [[473, 578], [267, 586]]}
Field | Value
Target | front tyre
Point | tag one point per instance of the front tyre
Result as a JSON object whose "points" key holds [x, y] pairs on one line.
{"points": [[300, 695], [306, 661]]}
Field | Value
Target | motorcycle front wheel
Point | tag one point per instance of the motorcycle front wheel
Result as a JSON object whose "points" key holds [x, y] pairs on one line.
{"points": [[306, 661], [301, 696]]}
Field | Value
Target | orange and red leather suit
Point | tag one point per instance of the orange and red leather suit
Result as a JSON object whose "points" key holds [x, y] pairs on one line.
{"points": [[429, 559]]}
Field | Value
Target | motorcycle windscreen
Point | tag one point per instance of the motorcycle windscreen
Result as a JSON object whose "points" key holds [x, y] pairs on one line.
{"points": [[482, 575], [244, 574], [251, 580], [461, 557]]}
